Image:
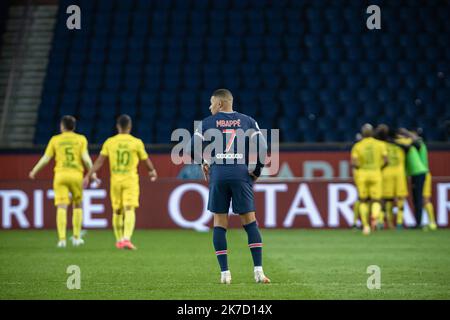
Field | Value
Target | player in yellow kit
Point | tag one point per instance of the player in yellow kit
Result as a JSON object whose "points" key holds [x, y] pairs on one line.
{"points": [[369, 156], [358, 138], [124, 152], [395, 189], [70, 152]]}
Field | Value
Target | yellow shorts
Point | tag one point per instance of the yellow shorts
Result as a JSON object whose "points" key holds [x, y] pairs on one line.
{"points": [[124, 193], [65, 183], [427, 186], [394, 183], [369, 184]]}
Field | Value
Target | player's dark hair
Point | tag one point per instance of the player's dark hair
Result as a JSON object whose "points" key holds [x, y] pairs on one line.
{"points": [[382, 132], [223, 94], [124, 121], [69, 122]]}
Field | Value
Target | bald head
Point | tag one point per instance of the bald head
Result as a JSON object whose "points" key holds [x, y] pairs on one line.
{"points": [[367, 130]]}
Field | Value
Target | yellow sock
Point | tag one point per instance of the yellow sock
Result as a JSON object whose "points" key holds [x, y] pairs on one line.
{"points": [[61, 222], [376, 210], [77, 221], [356, 212], [129, 221], [364, 213], [430, 210], [400, 204], [381, 216], [118, 226], [389, 214]]}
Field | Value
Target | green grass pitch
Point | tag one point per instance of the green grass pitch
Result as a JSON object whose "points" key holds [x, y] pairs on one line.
{"points": [[302, 264]]}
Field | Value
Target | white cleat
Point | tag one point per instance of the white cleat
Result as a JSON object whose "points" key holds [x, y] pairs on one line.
{"points": [[225, 277], [260, 277], [366, 230], [61, 244], [77, 242]]}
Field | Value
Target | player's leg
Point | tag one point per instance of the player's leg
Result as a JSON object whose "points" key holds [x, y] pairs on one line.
{"points": [[244, 205], [357, 202], [219, 204], [364, 203], [389, 209], [375, 194], [427, 204], [402, 194], [417, 189], [400, 203], [387, 198], [356, 212], [115, 194], [130, 200], [220, 245], [62, 202], [76, 189], [382, 215], [117, 222], [255, 244]]}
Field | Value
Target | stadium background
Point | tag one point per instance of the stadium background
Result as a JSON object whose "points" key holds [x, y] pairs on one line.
{"points": [[310, 68]]}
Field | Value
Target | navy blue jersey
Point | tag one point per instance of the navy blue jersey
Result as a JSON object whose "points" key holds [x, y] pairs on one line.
{"points": [[239, 135]]}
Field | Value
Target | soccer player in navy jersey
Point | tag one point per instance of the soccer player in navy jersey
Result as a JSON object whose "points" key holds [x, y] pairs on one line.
{"points": [[231, 175]]}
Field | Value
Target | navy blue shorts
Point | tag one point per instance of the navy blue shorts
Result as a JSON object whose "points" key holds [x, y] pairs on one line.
{"points": [[222, 192]]}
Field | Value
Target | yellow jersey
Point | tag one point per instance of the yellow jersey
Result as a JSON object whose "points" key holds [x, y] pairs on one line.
{"points": [[124, 152], [369, 153], [68, 149], [396, 156]]}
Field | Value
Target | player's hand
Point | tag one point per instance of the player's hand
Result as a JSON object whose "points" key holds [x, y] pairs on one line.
{"points": [[205, 170], [253, 176], [86, 181], [153, 175], [32, 175], [95, 181]]}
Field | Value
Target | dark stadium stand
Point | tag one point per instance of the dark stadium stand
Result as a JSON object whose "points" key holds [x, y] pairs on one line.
{"points": [[306, 67]]}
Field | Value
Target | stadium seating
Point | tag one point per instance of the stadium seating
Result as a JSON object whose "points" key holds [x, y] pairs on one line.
{"points": [[310, 68]]}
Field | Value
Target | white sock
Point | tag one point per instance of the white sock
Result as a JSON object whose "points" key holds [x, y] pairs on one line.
{"points": [[258, 269], [225, 272]]}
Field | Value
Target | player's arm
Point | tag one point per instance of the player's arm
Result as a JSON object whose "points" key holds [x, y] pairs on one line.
{"points": [[88, 164], [385, 162], [143, 156], [196, 151], [45, 159], [87, 159], [355, 163], [151, 169], [416, 140], [92, 173], [259, 144], [384, 155], [354, 160], [39, 166], [96, 166]]}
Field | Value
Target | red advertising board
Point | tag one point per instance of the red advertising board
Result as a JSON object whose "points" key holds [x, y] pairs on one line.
{"points": [[171, 203], [329, 164]]}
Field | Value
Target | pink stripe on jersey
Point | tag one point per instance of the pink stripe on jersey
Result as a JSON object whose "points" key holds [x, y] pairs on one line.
{"points": [[255, 245], [221, 252]]}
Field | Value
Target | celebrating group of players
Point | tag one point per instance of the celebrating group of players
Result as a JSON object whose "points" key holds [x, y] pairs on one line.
{"points": [[70, 151], [382, 159]]}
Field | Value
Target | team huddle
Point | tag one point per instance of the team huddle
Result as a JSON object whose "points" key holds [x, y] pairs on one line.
{"points": [[382, 159], [70, 151]]}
